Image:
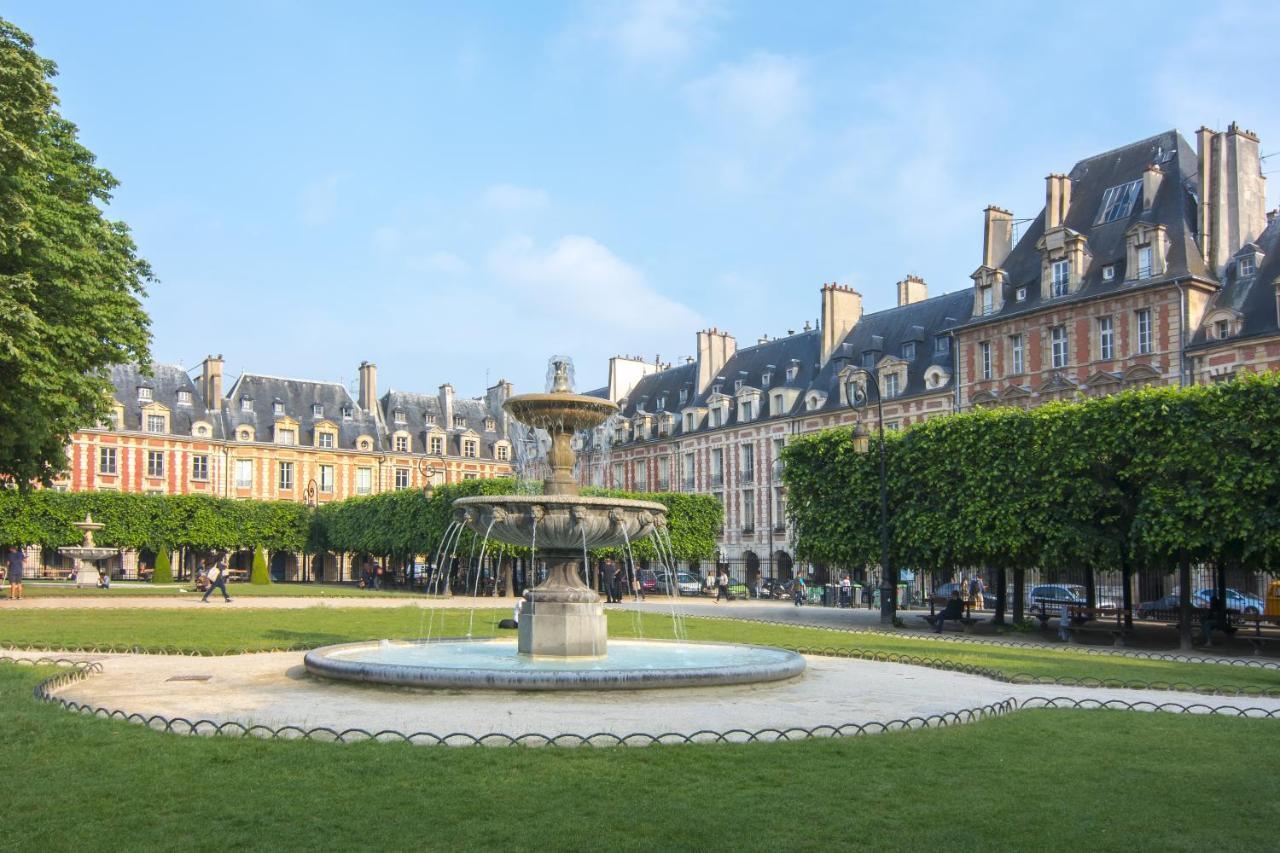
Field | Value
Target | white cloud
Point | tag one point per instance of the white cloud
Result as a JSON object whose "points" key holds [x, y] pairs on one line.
{"points": [[509, 198], [762, 94], [652, 32], [318, 201]]}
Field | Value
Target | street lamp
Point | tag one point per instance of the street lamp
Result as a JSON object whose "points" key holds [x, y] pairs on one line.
{"points": [[856, 395], [310, 492], [428, 468]]}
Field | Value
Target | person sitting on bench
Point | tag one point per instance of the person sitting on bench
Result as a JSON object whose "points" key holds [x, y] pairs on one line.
{"points": [[953, 611]]}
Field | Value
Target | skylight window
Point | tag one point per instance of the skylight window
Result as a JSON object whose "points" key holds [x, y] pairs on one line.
{"points": [[1117, 202]]}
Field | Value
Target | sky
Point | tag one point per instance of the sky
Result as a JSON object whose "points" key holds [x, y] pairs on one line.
{"points": [[458, 191]]}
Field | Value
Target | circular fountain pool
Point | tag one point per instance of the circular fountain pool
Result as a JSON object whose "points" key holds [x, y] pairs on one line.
{"points": [[495, 665]]}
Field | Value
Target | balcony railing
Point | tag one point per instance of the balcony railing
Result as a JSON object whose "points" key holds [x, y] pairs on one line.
{"points": [[688, 484], [717, 479], [748, 475]]}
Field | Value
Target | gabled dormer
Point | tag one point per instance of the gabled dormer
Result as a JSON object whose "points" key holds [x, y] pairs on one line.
{"points": [[989, 278], [325, 434], [1146, 251], [285, 431], [891, 373], [1064, 253], [748, 400], [717, 409]]}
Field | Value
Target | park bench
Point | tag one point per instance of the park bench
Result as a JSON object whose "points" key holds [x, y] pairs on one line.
{"points": [[1258, 639], [966, 622]]}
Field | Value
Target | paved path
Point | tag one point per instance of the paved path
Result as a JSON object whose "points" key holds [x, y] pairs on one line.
{"points": [[274, 689]]}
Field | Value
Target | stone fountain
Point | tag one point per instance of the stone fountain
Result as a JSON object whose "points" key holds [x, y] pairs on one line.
{"points": [[86, 552], [562, 642]]}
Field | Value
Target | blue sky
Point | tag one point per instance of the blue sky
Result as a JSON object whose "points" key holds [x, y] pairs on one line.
{"points": [[457, 191]]}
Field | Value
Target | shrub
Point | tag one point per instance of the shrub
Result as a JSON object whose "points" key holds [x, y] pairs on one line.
{"points": [[163, 572], [259, 575]]}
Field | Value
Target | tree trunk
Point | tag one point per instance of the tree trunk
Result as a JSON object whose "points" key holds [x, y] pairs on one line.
{"points": [[1018, 594], [1126, 579], [1001, 596], [1090, 587], [1184, 600]]}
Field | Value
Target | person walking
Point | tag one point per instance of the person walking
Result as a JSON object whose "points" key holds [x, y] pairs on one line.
{"points": [[16, 562], [846, 591], [722, 585], [977, 594], [217, 575], [797, 590]]}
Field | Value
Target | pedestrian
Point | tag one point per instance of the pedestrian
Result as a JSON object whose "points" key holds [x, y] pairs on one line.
{"points": [[977, 592], [637, 588], [217, 575], [953, 611], [16, 561], [619, 578], [722, 586], [797, 591], [846, 591]]}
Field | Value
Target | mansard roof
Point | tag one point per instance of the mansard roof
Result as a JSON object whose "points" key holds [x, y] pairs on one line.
{"points": [[1173, 207], [298, 397], [1253, 297], [165, 381], [417, 406]]}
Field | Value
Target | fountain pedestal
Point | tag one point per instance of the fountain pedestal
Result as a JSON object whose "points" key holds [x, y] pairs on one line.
{"points": [[86, 573], [562, 617]]}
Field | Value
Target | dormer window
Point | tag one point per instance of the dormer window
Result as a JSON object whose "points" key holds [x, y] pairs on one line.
{"points": [[737, 385], [1222, 330], [490, 425], [684, 396], [1144, 262], [891, 388], [459, 422], [429, 419], [1117, 202], [988, 300], [1061, 278], [1020, 295], [942, 344], [144, 394], [286, 436], [746, 410], [1109, 272], [400, 417], [347, 413], [766, 378], [246, 404], [317, 410], [277, 408], [1245, 266], [792, 372], [184, 398], [662, 402], [715, 389], [245, 434], [909, 351], [868, 361]]}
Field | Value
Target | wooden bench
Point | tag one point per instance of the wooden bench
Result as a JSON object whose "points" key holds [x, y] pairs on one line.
{"points": [[1258, 639], [1118, 633], [966, 622]]}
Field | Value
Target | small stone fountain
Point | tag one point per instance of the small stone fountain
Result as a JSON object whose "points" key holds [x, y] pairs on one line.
{"points": [[86, 552], [563, 639]]}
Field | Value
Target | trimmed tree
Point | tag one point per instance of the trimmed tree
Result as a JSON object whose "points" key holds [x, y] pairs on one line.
{"points": [[259, 575], [163, 572]]}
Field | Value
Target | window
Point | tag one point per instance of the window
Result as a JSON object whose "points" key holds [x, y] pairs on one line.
{"points": [[748, 463], [402, 444], [347, 414], [1106, 339], [792, 371], [779, 511], [1058, 337], [402, 478], [1222, 329], [778, 444], [619, 480], [244, 473], [428, 419], [748, 510], [893, 426], [326, 479], [688, 472], [286, 436], [988, 303], [891, 388], [106, 460], [684, 395], [365, 444], [1015, 350], [364, 481], [200, 467], [746, 410], [469, 448], [155, 463], [246, 405], [326, 439], [401, 417], [144, 395], [471, 476], [245, 434], [1144, 331], [869, 361], [1020, 295], [184, 398], [1245, 266], [717, 466], [984, 355], [1144, 262], [201, 430], [1108, 272], [1061, 276], [664, 474], [941, 345], [155, 423], [285, 480], [766, 378], [503, 453], [642, 476], [688, 421], [277, 408], [317, 410], [490, 425], [459, 422], [1117, 202], [437, 445], [909, 351], [776, 405]]}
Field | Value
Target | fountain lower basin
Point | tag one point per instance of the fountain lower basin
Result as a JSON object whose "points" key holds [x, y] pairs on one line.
{"points": [[494, 665]]}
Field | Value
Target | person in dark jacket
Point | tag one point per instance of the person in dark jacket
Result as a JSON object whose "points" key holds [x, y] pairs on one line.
{"points": [[953, 611]]}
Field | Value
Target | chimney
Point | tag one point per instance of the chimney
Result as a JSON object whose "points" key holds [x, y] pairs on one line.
{"points": [[211, 382], [1232, 193], [841, 311], [1151, 185], [446, 406], [1272, 215], [714, 349], [1057, 201], [368, 386], [997, 236], [912, 289]]}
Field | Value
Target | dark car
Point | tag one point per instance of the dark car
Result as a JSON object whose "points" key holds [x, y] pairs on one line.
{"points": [[1048, 596], [1168, 604]]}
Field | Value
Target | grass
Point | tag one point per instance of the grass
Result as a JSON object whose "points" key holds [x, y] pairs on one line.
{"points": [[222, 628], [132, 589], [1128, 780]]}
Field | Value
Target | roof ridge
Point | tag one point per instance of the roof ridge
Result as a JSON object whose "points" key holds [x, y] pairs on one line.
{"points": [[291, 379], [1109, 152]]}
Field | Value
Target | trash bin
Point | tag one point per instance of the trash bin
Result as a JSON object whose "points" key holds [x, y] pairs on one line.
{"points": [[1272, 606], [830, 594]]}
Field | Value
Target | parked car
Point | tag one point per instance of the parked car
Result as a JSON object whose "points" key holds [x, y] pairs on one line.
{"points": [[1250, 605], [688, 584], [648, 580], [1168, 604], [1050, 595]]}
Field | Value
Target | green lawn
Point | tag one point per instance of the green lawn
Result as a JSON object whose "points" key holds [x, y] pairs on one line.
{"points": [[132, 589], [220, 628], [1128, 781]]}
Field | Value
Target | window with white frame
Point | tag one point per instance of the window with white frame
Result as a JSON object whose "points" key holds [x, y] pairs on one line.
{"points": [[1222, 329], [748, 510], [1245, 266], [717, 466], [766, 378], [748, 470], [285, 479], [364, 481], [503, 453], [746, 410], [1058, 342], [1020, 295], [1144, 331], [155, 423], [891, 388], [988, 300], [459, 422], [684, 396], [716, 416], [347, 413], [106, 460], [402, 478], [792, 371], [619, 476], [326, 439], [246, 404], [277, 408], [437, 445], [200, 467], [286, 436], [664, 473], [1061, 278], [1144, 262], [909, 351], [1109, 272], [144, 394], [688, 472], [1016, 353], [244, 473], [490, 425], [402, 444], [984, 356], [469, 448], [317, 410], [471, 476], [1106, 339], [155, 463], [184, 398], [326, 479], [641, 476], [1118, 202], [401, 417]]}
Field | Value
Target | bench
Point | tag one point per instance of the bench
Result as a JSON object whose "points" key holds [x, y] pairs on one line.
{"points": [[1118, 633], [966, 622]]}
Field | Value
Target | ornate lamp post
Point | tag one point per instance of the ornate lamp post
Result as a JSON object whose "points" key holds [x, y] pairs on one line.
{"points": [[856, 394], [429, 468], [310, 496]]}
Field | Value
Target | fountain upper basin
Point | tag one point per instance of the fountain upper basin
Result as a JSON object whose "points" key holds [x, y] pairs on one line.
{"points": [[563, 522]]}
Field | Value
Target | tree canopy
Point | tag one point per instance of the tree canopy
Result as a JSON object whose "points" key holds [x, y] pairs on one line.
{"points": [[71, 280]]}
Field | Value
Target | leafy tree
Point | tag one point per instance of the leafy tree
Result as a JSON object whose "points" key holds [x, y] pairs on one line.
{"points": [[71, 281], [163, 572], [259, 574]]}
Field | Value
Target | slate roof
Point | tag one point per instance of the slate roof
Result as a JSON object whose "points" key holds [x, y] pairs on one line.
{"points": [[298, 396], [165, 383], [1253, 296], [416, 407], [1174, 207]]}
